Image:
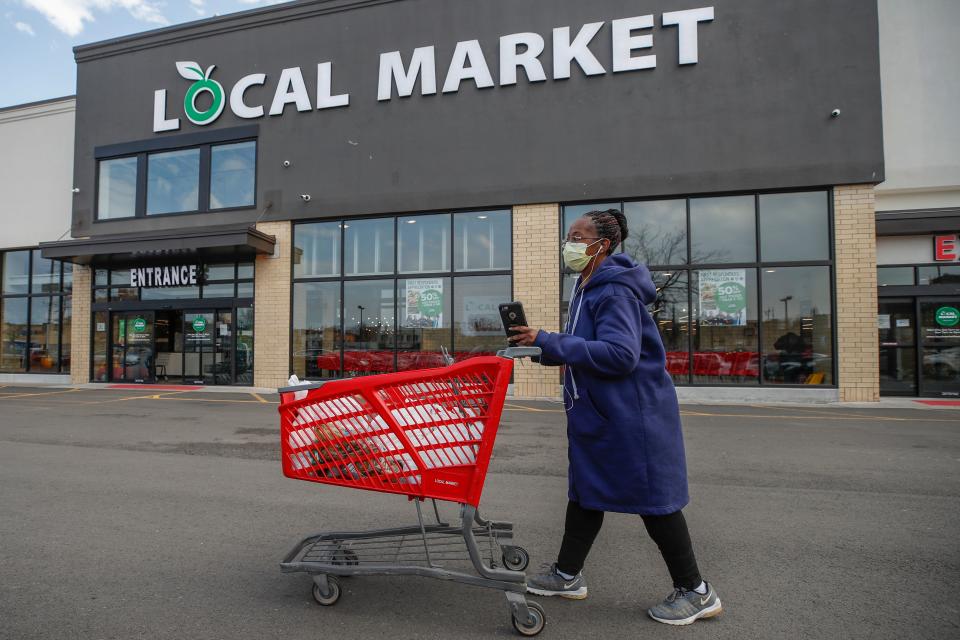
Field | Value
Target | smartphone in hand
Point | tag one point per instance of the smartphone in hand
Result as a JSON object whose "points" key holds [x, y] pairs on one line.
{"points": [[511, 315]]}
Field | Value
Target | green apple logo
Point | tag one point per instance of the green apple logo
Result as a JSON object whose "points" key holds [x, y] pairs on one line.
{"points": [[191, 71]]}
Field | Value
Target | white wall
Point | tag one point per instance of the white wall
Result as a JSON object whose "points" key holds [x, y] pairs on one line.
{"points": [[920, 80], [36, 172]]}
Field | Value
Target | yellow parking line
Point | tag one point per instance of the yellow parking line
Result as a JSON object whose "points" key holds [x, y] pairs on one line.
{"points": [[518, 407], [257, 396], [217, 400], [155, 396], [44, 393]]}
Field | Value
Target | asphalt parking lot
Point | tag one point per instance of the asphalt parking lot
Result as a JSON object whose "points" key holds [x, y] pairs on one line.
{"points": [[163, 514]]}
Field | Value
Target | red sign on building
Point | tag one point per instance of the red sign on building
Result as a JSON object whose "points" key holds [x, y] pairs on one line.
{"points": [[946, 248]]}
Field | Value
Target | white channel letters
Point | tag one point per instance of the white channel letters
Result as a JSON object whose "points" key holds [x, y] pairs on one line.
{"points": [[631, 43], [173, 276]]}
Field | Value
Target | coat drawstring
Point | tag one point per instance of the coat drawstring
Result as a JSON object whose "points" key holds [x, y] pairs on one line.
{"points": [[572, 326]]}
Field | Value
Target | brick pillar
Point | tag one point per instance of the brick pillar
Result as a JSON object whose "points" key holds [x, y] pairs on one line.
{"points": [[271, 309], [856, 266], [80, 325], [536, 283]]}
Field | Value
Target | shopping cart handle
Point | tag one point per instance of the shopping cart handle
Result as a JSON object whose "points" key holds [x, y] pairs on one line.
{"points": [[303, 387], [520, 352]]}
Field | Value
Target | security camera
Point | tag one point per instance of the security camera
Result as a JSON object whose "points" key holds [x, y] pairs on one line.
{"points": [[835, 113], [305, 197], [286, 163]]}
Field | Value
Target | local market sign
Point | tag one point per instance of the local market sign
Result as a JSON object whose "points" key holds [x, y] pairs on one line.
{"points": [[947, 316], [172, 276], [631, 40]]}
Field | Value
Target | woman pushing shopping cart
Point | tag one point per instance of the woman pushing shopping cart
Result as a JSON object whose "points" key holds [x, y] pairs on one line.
{"points": [[425, 434]]}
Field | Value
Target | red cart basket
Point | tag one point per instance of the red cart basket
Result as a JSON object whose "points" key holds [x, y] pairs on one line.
{"points": [[425, 434]]}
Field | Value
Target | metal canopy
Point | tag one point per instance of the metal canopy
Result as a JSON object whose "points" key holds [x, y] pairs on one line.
{"points": [[211, 243]]}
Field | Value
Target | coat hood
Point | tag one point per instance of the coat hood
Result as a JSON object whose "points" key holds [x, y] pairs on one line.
{"points": [[622, 269]]}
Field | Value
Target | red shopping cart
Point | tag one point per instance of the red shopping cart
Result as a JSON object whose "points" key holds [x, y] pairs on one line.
{"points": [[427, 435]]}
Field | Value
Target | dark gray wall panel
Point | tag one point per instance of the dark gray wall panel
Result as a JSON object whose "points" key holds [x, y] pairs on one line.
{"points": [[754, 113]]}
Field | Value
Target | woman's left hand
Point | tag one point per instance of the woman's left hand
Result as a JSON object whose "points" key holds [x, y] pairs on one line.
{"points": [[523, 336]]}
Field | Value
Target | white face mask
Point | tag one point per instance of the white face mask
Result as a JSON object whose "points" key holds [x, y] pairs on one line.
{"points": [[575, 255]]}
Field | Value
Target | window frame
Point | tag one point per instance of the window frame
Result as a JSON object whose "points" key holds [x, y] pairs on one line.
{"points": [[141, 150], [758, 264], [29, 296], [396, 276]]}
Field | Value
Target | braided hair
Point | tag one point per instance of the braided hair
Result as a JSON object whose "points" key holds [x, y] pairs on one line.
{"points": [[611, 225]]}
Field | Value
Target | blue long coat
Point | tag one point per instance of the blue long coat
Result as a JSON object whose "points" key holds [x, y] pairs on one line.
{"points": [[625, 444]]}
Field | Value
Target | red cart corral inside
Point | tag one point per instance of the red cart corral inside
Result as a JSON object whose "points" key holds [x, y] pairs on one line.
{"points": [[425, 434]]}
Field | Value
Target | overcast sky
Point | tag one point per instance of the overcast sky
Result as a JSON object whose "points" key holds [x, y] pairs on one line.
{"points": [[37, 36]]}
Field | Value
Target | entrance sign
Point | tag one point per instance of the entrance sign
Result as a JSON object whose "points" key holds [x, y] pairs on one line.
{"points": [[175, 276], [723, 297], [628, 37], [947, 317]]}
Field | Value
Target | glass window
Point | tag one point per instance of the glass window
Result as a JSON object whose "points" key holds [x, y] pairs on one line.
{"points": [[16, 271], [794, 226], [573, 211], [218, 271], [368, 327], [100, 360], [368, 247], [120, 277], [67, 277], [671, 313], [891, 276], [173, 181], [13, 335], [117, 189], [123, 293], [46, 274], [170, 293], [424, 322], [476, 316], [657, 231], [723, 229], [245, 270], [946, 274], [100, 277], [316, 330], [482, 240], [65, 334], [725, 327], [316, 250], [44, 333], [233, 170], [100, 295], [243, 346], [219, 290], [797, 334], [244, 289], [424, 243]]}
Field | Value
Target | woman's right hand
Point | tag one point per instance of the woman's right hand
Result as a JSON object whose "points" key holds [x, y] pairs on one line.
{"points": [[523, 336]]}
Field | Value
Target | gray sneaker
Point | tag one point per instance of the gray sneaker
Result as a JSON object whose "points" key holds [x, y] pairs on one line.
{"points": [[685, 607], [552, 583]]}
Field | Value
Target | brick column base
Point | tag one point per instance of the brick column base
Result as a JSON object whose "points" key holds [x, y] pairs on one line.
{"points": [[80, 325], [271, 309], [856, 267], [536, 283]]}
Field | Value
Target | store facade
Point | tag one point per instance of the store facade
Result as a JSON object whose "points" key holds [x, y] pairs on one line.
{"points": [[340, 188]]}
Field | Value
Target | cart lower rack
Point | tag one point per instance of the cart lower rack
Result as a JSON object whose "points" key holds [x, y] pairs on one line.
{"points": [[424, 434]]}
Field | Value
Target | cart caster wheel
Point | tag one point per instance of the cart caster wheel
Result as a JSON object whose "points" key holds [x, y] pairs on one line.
{"points": [[331, 598], [515, 558], [536, 623]]}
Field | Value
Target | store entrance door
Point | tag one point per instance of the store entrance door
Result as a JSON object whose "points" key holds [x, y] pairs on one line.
{"points": [[132, 358], [939, 330], [897, 328]]}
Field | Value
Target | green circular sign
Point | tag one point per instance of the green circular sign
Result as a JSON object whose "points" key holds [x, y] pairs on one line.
{"points": [[199, 324], [139, 325], [215, 89], [947, 317], [731, 297], [430, 303]]}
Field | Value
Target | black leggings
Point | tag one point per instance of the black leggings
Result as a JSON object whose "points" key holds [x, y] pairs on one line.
{"points": [[669, 532]]}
